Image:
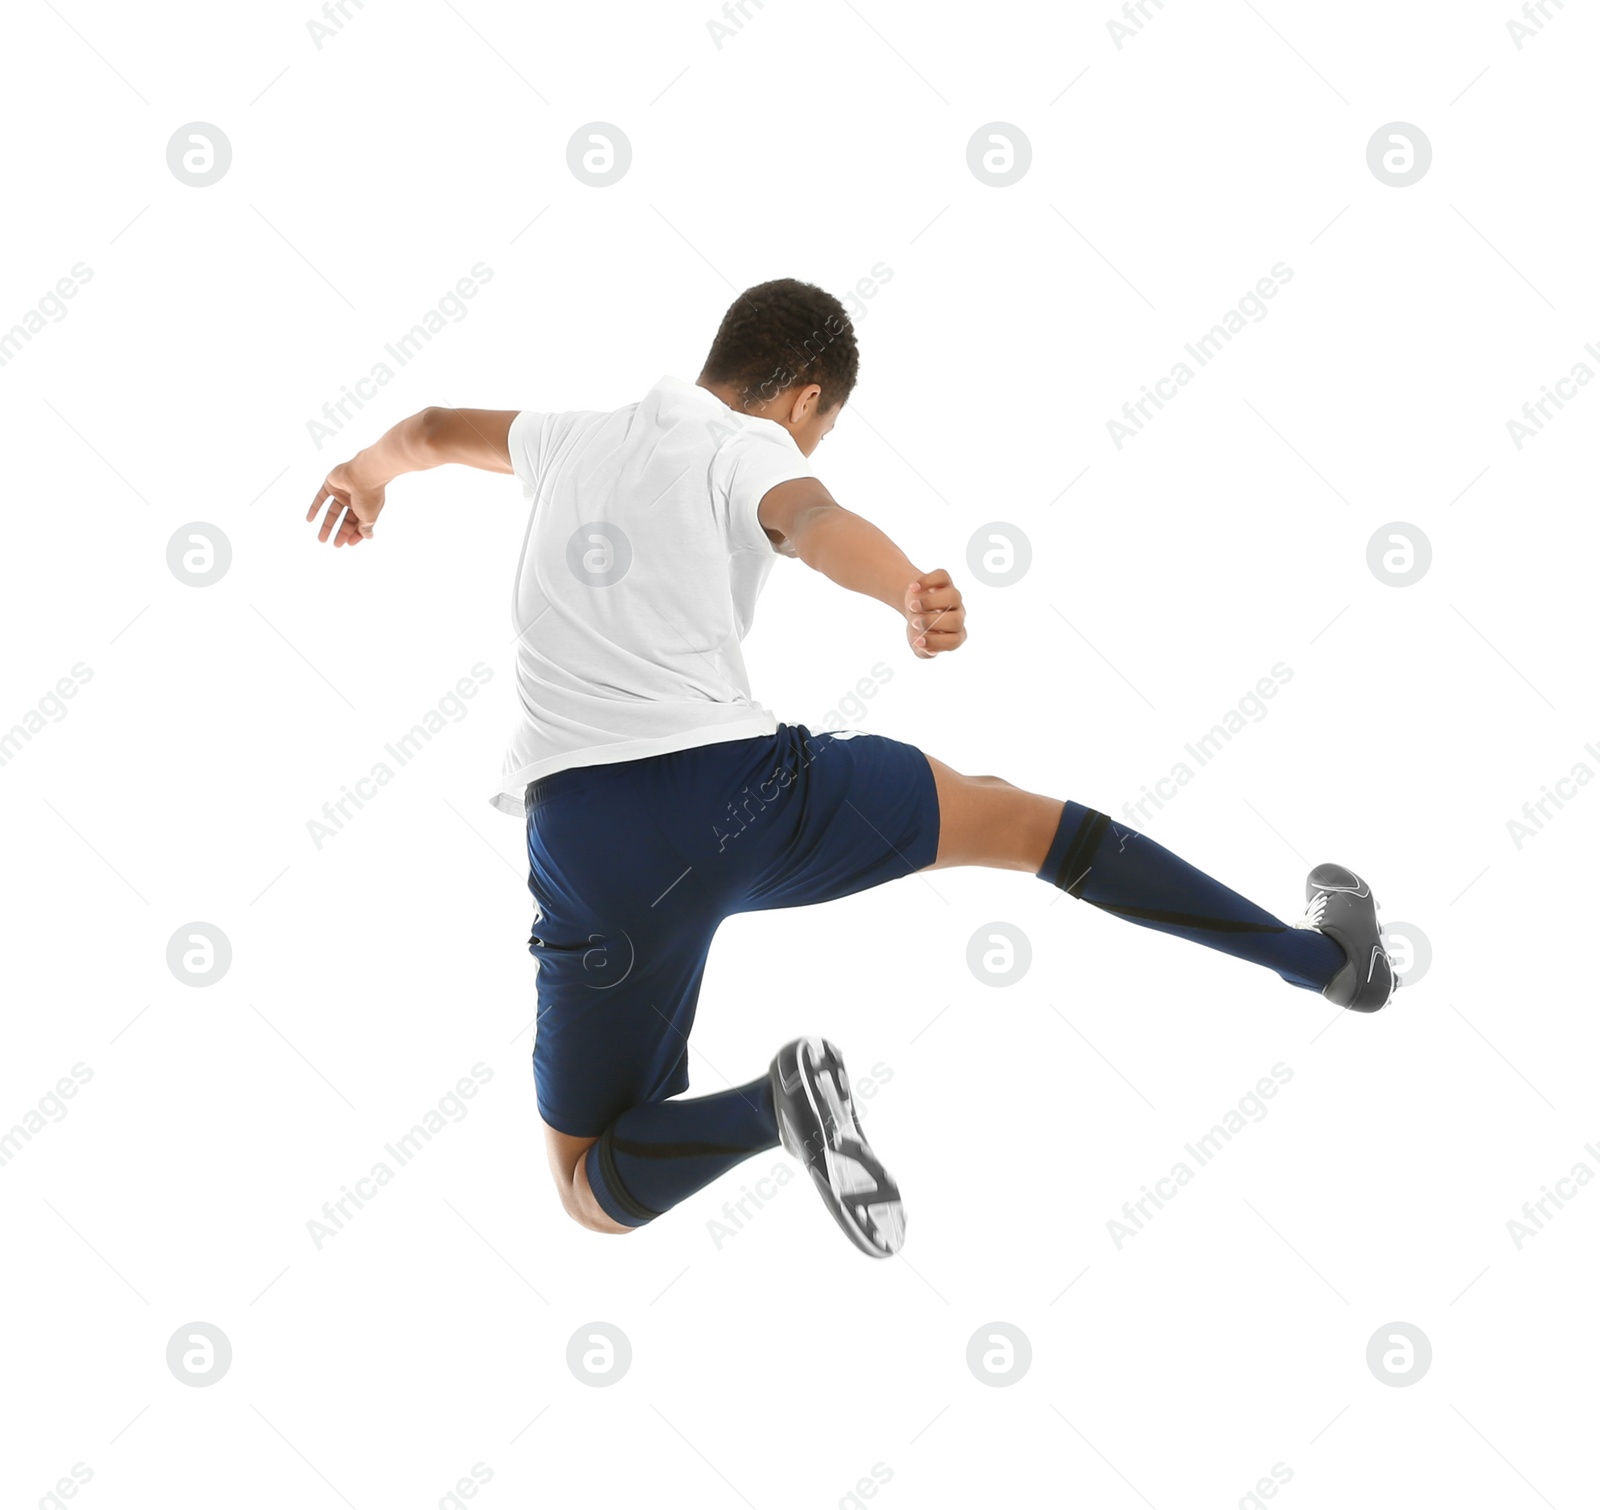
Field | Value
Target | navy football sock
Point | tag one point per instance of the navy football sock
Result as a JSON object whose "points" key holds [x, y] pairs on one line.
{"points": [[1118, 869], [657, 1154]]}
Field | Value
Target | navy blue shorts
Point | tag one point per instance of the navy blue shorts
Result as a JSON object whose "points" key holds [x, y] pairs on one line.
{"points": [[633, 866]]}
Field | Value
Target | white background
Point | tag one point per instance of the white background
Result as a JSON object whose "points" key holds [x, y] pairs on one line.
{"points": [[777, 1368]]}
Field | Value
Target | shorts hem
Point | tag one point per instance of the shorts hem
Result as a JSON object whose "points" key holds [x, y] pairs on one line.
{"points": [[567, 1132]]}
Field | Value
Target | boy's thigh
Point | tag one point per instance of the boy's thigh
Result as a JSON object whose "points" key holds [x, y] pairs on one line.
{"points": [[615, 1010], [985, 820], [838, 814], [621, 949]]}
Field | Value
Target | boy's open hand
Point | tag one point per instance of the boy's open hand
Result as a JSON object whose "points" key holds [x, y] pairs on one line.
{"points": [[347, 497], [936, 619]]}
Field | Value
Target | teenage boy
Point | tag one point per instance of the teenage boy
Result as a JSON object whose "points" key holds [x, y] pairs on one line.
{"points": [[660, 798]]}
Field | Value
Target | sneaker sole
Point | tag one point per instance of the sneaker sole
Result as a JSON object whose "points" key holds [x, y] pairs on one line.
{"points": [[817, 1125]]}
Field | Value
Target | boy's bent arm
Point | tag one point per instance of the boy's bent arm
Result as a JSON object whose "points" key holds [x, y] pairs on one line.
{"points": [[432, 438], [802, 519]]}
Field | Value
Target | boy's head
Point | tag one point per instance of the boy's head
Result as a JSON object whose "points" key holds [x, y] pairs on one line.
{"points": [[785, 351]]}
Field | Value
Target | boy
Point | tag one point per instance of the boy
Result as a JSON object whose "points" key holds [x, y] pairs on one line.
{"points": [[660, 798]]}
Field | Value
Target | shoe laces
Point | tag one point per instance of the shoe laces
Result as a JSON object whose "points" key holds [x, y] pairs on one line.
{"points": [[1312, 917]]}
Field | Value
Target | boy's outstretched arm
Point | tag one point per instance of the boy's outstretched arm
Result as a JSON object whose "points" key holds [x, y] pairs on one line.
{"points": [[355, 488], [803, 520]]}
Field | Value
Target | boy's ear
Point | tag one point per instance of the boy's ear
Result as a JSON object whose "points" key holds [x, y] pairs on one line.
{"points": [[805, 403]]}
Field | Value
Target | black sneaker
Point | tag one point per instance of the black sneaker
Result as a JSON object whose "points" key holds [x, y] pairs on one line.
{"points": [[1340, 904], [817, 1124]]}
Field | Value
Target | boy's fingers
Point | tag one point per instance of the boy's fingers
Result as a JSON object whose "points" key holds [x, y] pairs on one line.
{"points": [[931, 585], [945, 617], [316, 503], [941, 597]]}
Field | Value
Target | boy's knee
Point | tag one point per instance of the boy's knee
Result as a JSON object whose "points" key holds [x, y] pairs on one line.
{"points": [[568, 1156], [595, 1220], [579, 1202]]}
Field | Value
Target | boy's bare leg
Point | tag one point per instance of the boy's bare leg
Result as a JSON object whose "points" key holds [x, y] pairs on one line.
{"points": [[984, 820], [567, 1166]]}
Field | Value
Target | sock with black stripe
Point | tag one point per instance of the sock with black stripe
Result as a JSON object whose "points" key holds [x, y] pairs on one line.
{"points": [[658, 1154], [1119, 870]]}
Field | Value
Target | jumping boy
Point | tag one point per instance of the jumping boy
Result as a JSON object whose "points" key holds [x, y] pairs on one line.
{"points": [[659, 798]]}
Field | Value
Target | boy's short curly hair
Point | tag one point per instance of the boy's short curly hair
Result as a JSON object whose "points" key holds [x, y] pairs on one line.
{"points": [[784, 334]]}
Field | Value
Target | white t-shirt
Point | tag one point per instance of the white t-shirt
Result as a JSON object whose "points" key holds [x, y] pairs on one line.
{"points": [[640, 571]]}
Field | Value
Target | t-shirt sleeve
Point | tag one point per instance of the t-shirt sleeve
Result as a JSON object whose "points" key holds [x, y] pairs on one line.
{"points": [[747, 468], [524, 440]]}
